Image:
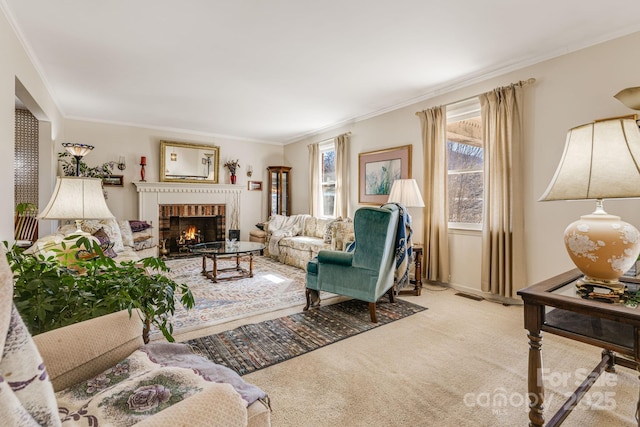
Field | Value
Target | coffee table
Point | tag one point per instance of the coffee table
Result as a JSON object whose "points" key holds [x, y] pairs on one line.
{"points": [[216, 250], [554, 306]]}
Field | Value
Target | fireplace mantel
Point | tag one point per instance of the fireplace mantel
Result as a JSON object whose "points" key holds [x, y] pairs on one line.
{"points": [[153, 194], [178, 187]]}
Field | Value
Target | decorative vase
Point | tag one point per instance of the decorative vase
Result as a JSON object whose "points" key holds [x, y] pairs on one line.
{"points": [[233, 178]]}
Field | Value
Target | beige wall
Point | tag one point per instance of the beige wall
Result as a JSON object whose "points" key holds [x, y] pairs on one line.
{"points": [[18, 76], [570, 90], [112, 141]]}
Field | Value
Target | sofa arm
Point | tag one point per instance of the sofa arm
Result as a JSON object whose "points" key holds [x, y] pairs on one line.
{"points": [[218, 406], [335, 257], [81, 351]]}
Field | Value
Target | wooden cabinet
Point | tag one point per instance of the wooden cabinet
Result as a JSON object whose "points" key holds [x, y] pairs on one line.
{"points": [[279, 196]]}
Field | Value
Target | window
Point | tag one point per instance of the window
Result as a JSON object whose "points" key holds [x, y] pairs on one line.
{"points": [[328, 178], [465, 164]]}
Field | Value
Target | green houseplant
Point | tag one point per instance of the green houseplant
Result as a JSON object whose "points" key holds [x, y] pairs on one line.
{"points": [[50, 294]]}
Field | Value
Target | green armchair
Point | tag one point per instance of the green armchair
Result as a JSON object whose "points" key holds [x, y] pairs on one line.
{"points": [[365, 274]]}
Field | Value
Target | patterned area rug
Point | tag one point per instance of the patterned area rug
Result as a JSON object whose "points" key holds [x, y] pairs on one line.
{"points": [[252, 347], [274, 286]]}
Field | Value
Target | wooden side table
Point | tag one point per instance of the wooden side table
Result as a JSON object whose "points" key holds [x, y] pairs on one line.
{"points": [[553, 306], [417, 280]]}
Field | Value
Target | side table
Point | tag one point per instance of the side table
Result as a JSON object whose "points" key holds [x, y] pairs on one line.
{"points": [[553, 306], [417, 274]]}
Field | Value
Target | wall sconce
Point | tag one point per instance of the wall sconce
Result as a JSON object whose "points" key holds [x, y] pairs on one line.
{"points": [[249, 171], [122, 163]]}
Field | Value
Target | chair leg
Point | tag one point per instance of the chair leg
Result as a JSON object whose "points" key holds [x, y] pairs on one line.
{"points": [[308, 296], [372, 312], [392, 298]]}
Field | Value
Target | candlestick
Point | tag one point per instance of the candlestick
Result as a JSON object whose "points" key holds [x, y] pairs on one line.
{"points": [[143, 163]]}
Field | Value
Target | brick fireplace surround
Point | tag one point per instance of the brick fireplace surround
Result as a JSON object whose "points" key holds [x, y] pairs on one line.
{"points": [[153, 195]]}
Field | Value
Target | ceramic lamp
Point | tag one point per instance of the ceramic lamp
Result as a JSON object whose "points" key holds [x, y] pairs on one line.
{"points": [[601, 160]]}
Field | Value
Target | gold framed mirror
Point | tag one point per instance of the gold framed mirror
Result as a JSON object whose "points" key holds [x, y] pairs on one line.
{"points": [[187, 162]]}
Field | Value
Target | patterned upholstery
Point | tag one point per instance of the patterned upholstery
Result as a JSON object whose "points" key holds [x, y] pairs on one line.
{"points": [[317, 234]]}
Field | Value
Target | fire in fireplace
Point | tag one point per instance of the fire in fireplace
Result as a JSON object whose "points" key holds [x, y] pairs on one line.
{"points": [[183, 225], [187, 231]]}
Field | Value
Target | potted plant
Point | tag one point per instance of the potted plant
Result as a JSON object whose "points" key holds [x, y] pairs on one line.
{"points": [[50, 294]]}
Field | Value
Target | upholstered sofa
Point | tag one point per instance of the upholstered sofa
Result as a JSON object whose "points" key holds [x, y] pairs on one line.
{"points": [[122, 240], [296, 239]]}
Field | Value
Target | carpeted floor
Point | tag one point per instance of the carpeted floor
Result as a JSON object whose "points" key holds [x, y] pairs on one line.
{"points": [[459, 363], [275, 286], [251, 347]]}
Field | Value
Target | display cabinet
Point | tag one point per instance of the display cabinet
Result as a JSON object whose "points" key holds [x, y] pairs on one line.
{"points": [[279, 196]]}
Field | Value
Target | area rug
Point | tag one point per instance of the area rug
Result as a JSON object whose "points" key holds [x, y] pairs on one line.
{"points": [[255, 346], [274, 286]]}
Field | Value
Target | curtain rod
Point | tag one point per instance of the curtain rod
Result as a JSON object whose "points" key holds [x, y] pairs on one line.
{"points": [[330, 139], [527, 82]]}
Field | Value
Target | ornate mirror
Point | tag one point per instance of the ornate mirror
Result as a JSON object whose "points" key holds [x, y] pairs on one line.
{"points": [[186, 162]]}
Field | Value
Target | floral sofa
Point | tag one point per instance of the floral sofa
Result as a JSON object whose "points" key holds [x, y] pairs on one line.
{"points": [[122, 240], [294, 240]]}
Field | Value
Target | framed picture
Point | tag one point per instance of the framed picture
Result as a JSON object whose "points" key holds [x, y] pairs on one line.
{"points": [[113, 180], [254, 185], [378, 169]]}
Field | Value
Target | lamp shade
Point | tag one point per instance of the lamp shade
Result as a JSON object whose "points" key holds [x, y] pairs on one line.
{"points": [[77, 149], [601, 160], [406, 193], [629, 97], [77, 198]]}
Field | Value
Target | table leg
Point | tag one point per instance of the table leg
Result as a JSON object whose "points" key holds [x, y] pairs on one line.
{"points": [[237, 261], [204, 264], [250, 264], [536, 385], [214, 272], [418, 272]]}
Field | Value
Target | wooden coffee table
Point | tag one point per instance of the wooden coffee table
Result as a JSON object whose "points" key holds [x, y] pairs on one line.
{"points": [[241, 251], [554, 306]]}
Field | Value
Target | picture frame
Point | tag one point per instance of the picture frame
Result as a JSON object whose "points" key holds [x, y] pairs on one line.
{"points": [[254, 185], [378, 169], [113, 180]]}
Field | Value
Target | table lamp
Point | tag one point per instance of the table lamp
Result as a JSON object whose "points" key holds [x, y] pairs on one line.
{"points": [[406, 193], [601, 160], [77, 198]]}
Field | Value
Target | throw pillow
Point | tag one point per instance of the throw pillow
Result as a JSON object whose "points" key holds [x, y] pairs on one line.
{"points": [[105, 244], [137, 225], [110, 226], [330, 229], [127, 233]]}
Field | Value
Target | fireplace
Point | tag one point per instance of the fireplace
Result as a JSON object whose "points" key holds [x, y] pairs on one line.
{"points": [[185, 225]]}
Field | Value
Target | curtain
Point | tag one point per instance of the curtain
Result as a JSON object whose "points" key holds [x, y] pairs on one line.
{"points": [[435, 213], [503, 262], [315, 196], [342, 176]]}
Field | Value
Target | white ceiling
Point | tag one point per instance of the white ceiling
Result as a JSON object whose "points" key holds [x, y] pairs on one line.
{"points": [[277, 70]]}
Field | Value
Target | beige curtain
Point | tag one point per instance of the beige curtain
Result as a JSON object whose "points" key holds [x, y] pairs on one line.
{"points": [[503, 261], [315, 198], [342, 176], [435, 212]]}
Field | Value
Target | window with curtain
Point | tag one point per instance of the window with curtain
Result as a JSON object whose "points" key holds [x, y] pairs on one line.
{"points": [[465, 164], [328, 178]]}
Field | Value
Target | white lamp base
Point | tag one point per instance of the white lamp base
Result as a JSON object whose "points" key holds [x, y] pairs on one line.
{"points": [[603, 247]]}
